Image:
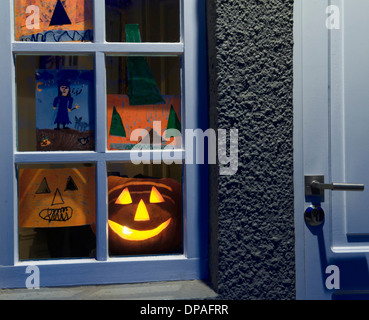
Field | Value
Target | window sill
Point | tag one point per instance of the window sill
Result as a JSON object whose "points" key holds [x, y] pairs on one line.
{"points": [[173, 290]]}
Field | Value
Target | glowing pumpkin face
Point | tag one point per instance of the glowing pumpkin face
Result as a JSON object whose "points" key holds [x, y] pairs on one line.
{"points": [[56, 197], [145, 216]]}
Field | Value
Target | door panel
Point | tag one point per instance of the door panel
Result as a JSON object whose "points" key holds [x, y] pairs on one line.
{"points": [[334, 114], [349, 49], [356, 111]]}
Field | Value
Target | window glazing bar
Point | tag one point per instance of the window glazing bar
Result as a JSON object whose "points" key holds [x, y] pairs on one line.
{"points": [[89, 156], [99, 21], [110, 48]]}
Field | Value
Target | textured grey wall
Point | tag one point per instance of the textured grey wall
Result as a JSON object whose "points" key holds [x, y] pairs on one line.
{"points": [[251, 86]]}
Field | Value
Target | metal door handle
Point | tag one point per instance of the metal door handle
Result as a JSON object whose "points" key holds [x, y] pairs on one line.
{"points": [[315, 186], [337, 186]]}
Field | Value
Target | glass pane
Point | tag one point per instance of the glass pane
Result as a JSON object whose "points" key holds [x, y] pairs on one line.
{"points": [[55, 103], [144, 94], [157, 20], [53, 20], [145, 209], [56, 209]]}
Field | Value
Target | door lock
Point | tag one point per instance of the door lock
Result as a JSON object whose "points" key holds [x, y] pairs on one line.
{"points": [[314, 216], [315, 187]]}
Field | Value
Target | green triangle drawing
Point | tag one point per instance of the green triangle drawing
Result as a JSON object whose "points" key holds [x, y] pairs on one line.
{"points": [[173, 121], [142, 87], [117, 128]]}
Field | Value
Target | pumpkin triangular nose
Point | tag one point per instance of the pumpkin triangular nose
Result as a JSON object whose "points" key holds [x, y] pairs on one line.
{"points": [[141, 212], [57, 198]]}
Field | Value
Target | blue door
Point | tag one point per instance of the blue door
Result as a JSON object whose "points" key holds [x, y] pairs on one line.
{"points": [[332, 149]]}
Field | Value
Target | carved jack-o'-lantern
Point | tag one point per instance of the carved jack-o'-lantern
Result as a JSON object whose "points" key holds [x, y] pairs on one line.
{"points": [[56, 197], [145, 215]]}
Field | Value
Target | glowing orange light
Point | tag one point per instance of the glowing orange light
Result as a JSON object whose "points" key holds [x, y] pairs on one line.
{"points": [[124, 198], [137, 235], [141, 213], [155, 196]]}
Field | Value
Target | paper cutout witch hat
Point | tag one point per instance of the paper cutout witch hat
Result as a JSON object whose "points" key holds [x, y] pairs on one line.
{"points": [[143, 89]]}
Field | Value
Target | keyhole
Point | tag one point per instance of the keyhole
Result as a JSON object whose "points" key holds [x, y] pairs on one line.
{"points": [[314, 216]]}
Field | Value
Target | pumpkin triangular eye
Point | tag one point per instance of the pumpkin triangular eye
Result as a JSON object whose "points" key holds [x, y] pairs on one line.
{"points": [[124, 198], [155, 196], [43, 188], [71, 185]]}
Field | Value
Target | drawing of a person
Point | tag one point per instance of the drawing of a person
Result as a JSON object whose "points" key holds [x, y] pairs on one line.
{"points": [[63, 102]]}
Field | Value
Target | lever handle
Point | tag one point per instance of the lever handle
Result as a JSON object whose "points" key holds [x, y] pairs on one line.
{"points": [[315, 187], [337, 186]]}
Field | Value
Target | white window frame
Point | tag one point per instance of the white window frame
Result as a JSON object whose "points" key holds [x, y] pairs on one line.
{"points": [[192, 264]]}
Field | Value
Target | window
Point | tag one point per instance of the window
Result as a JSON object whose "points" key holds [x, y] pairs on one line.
{"points": [[80, 78]]}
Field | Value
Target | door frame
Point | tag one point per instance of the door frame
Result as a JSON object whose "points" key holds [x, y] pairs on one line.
{"points": [[311, 74], [298, 151]]}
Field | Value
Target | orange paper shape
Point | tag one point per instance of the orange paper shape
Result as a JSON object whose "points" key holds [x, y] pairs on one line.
{"points": [[56, 197], [139, 117], [33, 18]]}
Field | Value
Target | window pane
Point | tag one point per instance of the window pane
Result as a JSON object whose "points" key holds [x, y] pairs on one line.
{"points": [[53, 20], [56, 209], [55, 103], [157, 20], [144, 93], [145, 209]]}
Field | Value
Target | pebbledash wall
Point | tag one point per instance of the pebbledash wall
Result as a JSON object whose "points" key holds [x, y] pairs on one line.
{"points": [[250, 48]]}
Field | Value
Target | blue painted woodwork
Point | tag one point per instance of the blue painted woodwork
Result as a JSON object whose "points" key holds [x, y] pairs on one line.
{"points": [[105, 270]]}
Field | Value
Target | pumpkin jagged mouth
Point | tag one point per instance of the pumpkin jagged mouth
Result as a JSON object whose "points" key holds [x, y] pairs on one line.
{"points": [[58, 214], [137, 235]]}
